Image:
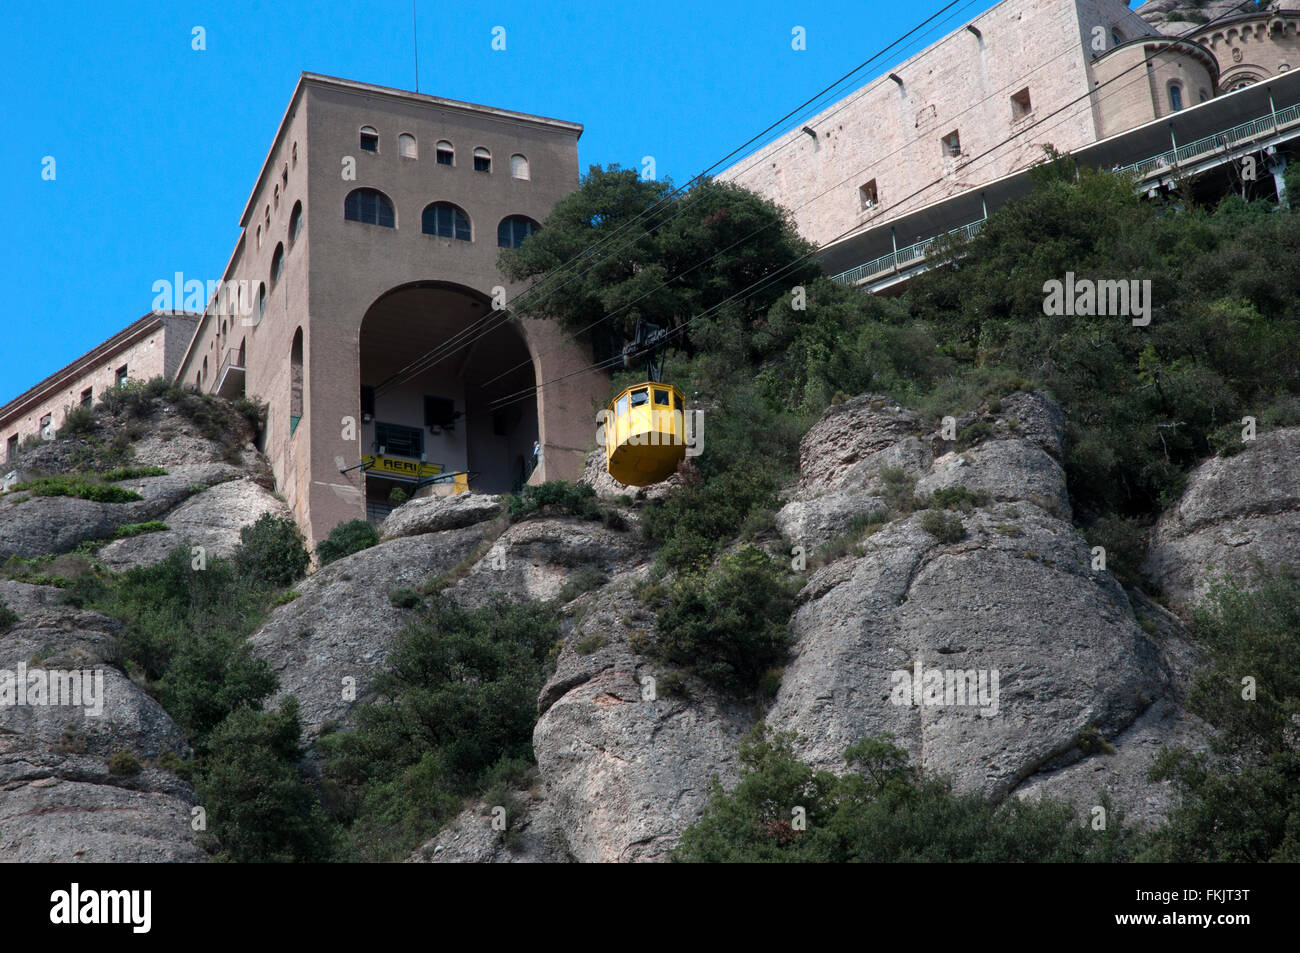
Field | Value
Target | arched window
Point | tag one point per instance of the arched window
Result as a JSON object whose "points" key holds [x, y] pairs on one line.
{"points": [[519, 167], [268, 216], [261, 302], [1175, 97], [295, 222], [482, 160], [446, 221], [259, 236], [446, 154], [295, 382], [277, 264], [204, 375], [369, 139], [406, 147], [514, 229], [370, 206], [276, 196], [295, 155]]}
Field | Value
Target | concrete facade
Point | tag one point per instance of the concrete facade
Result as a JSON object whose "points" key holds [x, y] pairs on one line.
{"points": [[150, 347], [348, 304]]}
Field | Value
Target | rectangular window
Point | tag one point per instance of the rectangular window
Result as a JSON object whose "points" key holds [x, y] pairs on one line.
{"points": [[120, 376], [482, 164], [445, 156], [1021, 105], [868, 195], [394, 440], [661, 397], [639, 398], [87, 396], [951, 144], [370, 142], [1175, 97], [11, 448]]}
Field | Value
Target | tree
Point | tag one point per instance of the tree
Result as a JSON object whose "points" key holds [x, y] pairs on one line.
{"points": [[631, 246]]}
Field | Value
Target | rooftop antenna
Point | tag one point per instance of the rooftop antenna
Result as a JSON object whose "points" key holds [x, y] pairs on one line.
{"points": [[415, 39]]}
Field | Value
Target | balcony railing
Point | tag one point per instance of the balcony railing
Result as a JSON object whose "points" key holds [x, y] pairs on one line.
{"points": [[1221, 142], [1224, 141], [230, 379], [897, 260]]}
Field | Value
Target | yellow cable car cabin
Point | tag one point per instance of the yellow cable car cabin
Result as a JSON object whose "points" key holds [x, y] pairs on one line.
{"points": [[645, 436]]}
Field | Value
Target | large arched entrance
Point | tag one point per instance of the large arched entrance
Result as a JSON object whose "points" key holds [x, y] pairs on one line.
{"points": [[435, 361]]}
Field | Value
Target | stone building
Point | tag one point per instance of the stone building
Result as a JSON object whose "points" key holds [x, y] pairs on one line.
{"points": [[363, 302], [947, 134], [150, 347]]}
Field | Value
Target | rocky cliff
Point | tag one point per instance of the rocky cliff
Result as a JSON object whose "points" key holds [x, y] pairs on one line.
{"points": [[917, 553]]}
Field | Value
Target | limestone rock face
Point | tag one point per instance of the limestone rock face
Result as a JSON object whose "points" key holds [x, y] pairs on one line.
{"points": [[470, 837], [533, 559], [624, 768], [58, 799], [607, 488], [1236, 515], [36, 525], [1175, 17], [1016, 597], [211, 519], [437, 513], [344, 624]]}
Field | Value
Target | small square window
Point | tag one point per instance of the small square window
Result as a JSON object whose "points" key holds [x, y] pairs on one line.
{"points": [[868, 195], [1021, 105], [120, 376], [369, 141], [661, 397], [482, 164], [87, 397], [640, 397], [951, 144]]}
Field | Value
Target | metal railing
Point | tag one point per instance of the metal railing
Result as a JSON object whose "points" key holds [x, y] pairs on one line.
{"points": [[896, 260], [1219, 142]]}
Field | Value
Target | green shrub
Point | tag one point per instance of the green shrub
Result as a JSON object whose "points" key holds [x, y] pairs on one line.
{"points": [[553, 498], [80, 488], [957, 498], [882, 810], [403, 598], [346, 539], [583, 579], [590, 643], [8, 618], [124, 763], [139, 529], [672, 684], [945, 527], [1238, 802], [730, 623], [132, 473], [77, 422], [260, 808], [1125, 543], [272, 550], [459, 700], [397, 496]]}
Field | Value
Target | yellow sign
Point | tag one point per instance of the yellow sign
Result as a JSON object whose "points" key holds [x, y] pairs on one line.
{"points": [[401, 469]]}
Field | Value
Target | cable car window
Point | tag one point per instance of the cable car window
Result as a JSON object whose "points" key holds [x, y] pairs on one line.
{"points": [[677, 402], [640, 397], [621, 406], [661, 398]]}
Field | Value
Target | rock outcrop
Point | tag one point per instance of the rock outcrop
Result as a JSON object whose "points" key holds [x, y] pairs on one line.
{"points": [[1016, 598], [1178, 17], [61, 797], [1237, 516]]}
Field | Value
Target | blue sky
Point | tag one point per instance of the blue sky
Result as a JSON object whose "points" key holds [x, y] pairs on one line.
{"points": [[157, 146]]}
